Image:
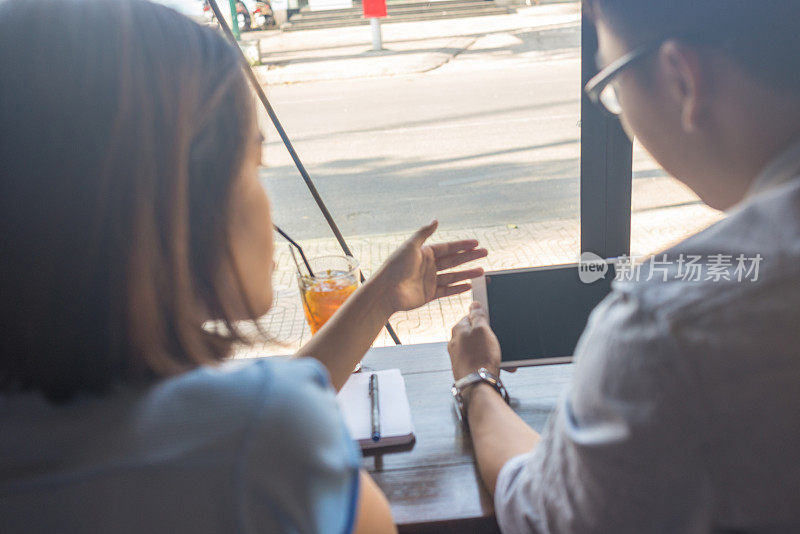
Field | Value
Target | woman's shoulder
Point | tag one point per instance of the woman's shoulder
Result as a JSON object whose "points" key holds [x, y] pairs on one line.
{"points": [[292, 401], [241, 380], [237, 395], [299, 452]]}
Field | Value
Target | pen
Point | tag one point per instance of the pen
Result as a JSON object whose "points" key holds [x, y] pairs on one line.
{"points": [[376, 407]]}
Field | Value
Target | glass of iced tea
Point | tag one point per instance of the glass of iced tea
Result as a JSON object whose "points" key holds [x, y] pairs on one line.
{"points": [[335, 279]]}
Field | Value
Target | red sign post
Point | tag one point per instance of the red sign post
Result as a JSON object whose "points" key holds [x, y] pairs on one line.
{"points": [[374, 9]]}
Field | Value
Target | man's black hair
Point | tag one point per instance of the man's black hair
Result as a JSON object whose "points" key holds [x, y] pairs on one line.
{"points": [[763, 36]]}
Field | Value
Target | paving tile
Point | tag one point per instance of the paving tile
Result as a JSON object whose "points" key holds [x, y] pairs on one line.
{"points": [[523, 245]]}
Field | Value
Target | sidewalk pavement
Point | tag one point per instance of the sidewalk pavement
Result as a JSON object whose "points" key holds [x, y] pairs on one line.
{"points": [[415, 47], [410, 47], [510, 246]]}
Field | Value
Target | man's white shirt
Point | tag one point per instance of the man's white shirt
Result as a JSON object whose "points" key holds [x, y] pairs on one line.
{"points": [[683, 415]]}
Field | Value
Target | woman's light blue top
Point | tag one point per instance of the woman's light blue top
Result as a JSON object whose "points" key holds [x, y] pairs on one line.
{"points": [[256, 447]]}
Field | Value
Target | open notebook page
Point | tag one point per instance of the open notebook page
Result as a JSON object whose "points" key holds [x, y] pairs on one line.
{"points": [[396, 426]]}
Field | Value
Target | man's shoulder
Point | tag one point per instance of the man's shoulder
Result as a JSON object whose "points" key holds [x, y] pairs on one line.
{"points": [[749, 256], [738, 275]]}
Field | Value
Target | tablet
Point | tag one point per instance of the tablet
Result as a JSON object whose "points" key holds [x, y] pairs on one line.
{"points": [[538, 314]]}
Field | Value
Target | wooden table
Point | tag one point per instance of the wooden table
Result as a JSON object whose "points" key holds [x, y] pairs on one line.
{"points": [[434, 486]]}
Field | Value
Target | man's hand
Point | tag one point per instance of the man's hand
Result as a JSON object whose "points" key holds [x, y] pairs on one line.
{"points": [[473, 344], [497, 432]]}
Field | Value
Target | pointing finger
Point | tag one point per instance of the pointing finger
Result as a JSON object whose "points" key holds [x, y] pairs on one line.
{"points": [[452, 278], [421, 235], [448, 262], [449, 291], [446, 249]]}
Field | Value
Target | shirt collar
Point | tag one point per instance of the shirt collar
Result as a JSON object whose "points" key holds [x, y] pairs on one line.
{"points": [[782, 169]]}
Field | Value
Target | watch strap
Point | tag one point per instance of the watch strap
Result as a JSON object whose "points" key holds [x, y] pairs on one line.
{"points": [[461, 385], [482, 375]]}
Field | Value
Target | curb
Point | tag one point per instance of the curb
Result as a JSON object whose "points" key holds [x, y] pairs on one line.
{"points": [[368, 64]]}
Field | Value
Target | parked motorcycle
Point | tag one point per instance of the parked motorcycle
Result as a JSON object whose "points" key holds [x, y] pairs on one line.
{"points": [[243, 16], [263, 17]]}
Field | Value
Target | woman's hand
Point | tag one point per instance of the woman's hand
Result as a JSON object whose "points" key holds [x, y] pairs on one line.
{"points": [[473, 344], [407, 280], [410, 277]]}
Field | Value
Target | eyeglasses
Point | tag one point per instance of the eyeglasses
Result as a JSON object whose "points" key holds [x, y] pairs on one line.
{"points": [[600, 89]]}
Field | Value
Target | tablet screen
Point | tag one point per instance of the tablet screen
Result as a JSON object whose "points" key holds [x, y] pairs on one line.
{"points": [[541, 313]]}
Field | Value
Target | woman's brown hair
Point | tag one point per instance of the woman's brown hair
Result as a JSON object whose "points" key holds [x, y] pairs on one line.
{"points": [[124, 126]]}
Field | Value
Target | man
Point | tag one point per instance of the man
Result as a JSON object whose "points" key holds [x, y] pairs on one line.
{"points": [[683, 414]]}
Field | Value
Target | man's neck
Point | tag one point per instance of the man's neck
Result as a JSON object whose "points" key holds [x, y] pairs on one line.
{"points": [[758, 134]]}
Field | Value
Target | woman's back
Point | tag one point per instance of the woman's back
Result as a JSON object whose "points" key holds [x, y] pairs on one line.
{"points": [[254, 447], [136, 237]]}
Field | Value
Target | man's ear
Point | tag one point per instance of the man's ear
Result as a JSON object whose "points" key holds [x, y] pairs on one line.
{"points": [[686, 81]]}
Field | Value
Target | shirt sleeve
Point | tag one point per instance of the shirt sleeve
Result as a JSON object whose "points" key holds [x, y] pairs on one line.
{"points": [[622, 452], [300, 469]]}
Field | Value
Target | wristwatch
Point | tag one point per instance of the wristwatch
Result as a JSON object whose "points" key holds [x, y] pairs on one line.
{"points": [[463, 384]]}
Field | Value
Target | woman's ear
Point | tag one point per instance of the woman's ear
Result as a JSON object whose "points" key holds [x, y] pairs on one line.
{"points": [[686, 82]]}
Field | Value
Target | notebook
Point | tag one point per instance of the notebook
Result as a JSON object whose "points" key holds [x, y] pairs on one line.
{"points": [[396, 426]]}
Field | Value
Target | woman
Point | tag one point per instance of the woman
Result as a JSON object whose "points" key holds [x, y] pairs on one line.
{"points": [[132, 216]]}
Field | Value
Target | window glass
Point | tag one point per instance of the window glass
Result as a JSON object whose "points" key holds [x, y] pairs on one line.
{"points": [[474, 121]]}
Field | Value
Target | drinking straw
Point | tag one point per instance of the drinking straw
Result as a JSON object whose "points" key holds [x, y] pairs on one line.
{"points": [[294, 257], [299, 249]]}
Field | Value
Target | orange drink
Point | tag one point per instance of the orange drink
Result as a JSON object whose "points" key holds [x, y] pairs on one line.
{"points": [[335, 279]]}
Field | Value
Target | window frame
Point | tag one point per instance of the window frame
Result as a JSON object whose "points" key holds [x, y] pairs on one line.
{"points": [[606, 167]]}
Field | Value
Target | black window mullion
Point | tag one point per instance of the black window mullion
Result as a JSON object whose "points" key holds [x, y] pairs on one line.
{"points": [[606, 168]]}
